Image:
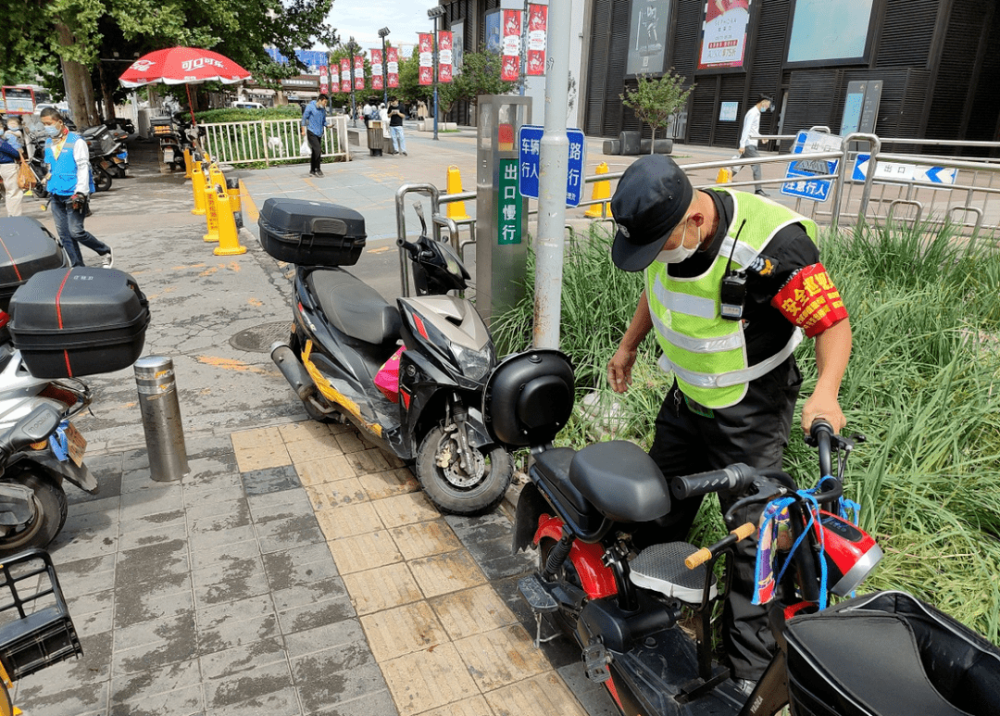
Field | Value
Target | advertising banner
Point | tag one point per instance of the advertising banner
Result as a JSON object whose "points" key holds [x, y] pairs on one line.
{"points": [[377, 78], [647, 37], [335, 79], [359, 72], [724, 34], [511, 29], [538, 16], [426, 49], [345, 75], [324, 84], [444, 56], [392, 66]]}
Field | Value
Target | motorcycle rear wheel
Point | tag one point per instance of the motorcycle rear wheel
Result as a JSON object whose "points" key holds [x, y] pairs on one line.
{"points": [[50, 516], [566, 624], [102, 180], [475, 499]]}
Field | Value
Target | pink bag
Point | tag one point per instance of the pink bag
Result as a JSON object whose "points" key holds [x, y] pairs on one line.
{"points": [[387, 378]]}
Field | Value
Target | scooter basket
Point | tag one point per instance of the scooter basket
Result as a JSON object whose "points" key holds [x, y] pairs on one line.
{"points": [[35, 627], [889, 654]]}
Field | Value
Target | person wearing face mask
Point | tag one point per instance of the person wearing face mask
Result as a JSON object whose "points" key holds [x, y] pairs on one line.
{"points": [[70, 184], [748, 137], [732, 280]]}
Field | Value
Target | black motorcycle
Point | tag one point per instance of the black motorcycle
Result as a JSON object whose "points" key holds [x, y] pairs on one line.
{"points": [[345, 333], [176, 133]]}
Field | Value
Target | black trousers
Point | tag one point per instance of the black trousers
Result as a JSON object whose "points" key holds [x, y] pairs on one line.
{"points": [[755, 431], [316, 152]]}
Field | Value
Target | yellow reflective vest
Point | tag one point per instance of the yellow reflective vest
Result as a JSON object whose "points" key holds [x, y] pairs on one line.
{"points": [[705, 352]]}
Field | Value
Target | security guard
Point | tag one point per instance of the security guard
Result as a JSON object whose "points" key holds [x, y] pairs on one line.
{"points": [[732, 282]]}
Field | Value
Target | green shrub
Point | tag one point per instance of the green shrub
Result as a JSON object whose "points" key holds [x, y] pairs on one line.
{"points": [[922, 385], [232, 114]]}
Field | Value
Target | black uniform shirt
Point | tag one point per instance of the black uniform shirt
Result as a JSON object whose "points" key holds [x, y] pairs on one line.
{"points": [[766, 329]]}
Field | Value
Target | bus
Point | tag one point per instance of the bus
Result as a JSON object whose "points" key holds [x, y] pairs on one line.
{"points": [[23, 99]]}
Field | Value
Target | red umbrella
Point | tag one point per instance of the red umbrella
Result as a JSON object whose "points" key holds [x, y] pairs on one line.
{"points": [[182, 66]]}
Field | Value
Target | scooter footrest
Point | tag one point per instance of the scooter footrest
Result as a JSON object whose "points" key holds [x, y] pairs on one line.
{"points": [[661, 568], [596, 660], [536, 595]]}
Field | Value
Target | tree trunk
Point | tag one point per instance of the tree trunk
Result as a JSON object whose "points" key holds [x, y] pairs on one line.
{"points": [[79, 88], [652, 139], [107, 92]]}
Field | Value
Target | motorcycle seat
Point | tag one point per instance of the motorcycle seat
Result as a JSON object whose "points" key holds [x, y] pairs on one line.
{"points": [[621, 480], [553, 465], [906, 659], [354, 307]]}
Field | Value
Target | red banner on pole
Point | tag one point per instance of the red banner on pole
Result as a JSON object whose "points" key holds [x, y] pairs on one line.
{"points": [[334, 79], [345, 75], [324, 84], [426, 49], [511, 29], [359, 72], [377, 78], [538, 16], [392, 66], [445, 41]]}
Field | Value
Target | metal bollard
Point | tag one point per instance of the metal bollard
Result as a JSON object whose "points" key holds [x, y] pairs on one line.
{"points": [[161, 418]]}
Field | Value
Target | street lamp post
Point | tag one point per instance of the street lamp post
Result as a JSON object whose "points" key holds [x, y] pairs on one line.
{"points": [[434, 13], [385, 77], [352, 49]]}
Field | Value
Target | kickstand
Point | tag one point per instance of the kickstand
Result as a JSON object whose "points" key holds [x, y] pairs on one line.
{"points": [[538, 631]]}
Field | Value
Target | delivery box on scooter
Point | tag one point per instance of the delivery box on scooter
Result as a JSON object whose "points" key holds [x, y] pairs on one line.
{"points": [[73, 322], [311, 233], [26, 247]]}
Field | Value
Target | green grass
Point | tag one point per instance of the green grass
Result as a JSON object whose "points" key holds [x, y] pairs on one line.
{"points": [[233, 114], [923, 385]]}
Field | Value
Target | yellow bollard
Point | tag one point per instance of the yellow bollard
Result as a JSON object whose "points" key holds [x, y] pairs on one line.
{"points": [[211, 215], [456, 209], [724, 176], [229, 238], [602, 190], [215, 176], [198, 187], [187, 163]]}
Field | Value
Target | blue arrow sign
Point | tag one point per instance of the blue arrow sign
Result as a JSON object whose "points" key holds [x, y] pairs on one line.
{"points": [[529, 139]]}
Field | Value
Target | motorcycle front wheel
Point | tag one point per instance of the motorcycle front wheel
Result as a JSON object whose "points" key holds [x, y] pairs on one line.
{"points": [[451, 488], [102, 180], [50, 516]]}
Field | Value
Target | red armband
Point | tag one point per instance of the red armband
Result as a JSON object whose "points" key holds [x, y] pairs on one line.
{"points": [[810, 300]]}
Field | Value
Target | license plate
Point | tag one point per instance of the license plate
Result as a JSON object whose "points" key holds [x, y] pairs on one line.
{"points": [[168, 156], [76, 444]]}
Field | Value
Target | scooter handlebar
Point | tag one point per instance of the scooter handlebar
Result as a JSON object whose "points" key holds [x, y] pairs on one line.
{"points": [[706, 553], [735, 477]]}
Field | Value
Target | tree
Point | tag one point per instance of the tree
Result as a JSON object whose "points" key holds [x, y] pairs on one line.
{"points": [[656, 101], [481, 75]]}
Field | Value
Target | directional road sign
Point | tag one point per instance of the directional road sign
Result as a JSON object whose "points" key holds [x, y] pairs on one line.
{"points": [[529, 139], [800, 171], [898, 171]]}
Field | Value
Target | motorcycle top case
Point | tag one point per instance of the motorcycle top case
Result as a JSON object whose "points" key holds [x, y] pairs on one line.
{"points": [[26, 247], [79, 321], [311, 233]]}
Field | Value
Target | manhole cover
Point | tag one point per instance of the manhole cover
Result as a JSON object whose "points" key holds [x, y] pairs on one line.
{"points": [[259, 338]]}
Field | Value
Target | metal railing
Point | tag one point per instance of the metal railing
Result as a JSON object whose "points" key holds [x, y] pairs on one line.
{"points": [[270, 140]]}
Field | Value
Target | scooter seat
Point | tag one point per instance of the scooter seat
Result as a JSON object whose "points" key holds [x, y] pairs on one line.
{"points": [[353, 307], [621, 480]]}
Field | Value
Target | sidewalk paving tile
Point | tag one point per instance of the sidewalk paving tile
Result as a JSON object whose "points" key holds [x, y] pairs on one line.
{"points": [[428, 679], [364, 551], [132, 687], [382, 588], [449, 572], [405, 509], [501, 657], [388, 483], [394, 632], [327, 495], [348, 520], [472, 611], [314, 448], [423, 539], [540, 696], [475, 706], [315, 472]]}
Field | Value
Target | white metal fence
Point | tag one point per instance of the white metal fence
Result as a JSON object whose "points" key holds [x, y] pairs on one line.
{"points": [[270, 140]]}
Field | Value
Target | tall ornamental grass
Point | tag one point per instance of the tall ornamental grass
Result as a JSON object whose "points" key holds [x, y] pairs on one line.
{"points": [[923, 385]]}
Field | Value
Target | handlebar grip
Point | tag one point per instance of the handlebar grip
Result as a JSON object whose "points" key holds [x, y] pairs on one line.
{"points": [[744, 531], [734, 478], [819, 426], [698, 558]]}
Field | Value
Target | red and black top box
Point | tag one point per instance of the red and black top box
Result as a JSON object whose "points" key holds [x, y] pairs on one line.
{"points": [[26, 247], [79, 321]]}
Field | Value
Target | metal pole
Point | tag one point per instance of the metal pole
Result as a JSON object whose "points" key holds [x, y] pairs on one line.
{"points": [[161, 418], [385, 78], [435, 78], [554, 164]]}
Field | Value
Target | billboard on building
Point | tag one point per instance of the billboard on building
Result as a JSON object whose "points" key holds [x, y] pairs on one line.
{"points": [[724, 34], [647, 44], [830, 31]]}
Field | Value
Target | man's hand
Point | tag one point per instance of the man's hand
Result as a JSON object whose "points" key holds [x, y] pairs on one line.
{"points": [[827, 407], [78, 202], [620, 369], [741, 151]]}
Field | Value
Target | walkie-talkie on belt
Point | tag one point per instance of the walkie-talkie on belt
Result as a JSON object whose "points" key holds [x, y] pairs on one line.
{"points": [[734, 286]]}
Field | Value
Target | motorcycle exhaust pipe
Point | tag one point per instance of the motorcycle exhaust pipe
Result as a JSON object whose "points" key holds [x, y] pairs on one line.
{"points": [[293, 370]]}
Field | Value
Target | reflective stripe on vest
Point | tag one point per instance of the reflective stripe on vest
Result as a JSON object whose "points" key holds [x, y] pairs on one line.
{"points": [[706, 353]]}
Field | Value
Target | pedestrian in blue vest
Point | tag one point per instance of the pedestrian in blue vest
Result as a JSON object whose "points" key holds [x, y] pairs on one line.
{"points": [[69, 184]]}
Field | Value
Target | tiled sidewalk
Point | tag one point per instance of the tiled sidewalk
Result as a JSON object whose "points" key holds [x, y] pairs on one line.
{"points": [[295, 571]]}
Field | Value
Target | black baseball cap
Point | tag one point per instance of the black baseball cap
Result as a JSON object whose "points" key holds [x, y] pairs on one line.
{"points": [[651, 199]]}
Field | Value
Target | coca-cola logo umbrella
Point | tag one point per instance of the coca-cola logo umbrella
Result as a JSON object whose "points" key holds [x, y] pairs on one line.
{"points": [[182, 66]]}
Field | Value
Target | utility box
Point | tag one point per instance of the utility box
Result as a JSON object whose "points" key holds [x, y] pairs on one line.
{"points": [[501, 211]]}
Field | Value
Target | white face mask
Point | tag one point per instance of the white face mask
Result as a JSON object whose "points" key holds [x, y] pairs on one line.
{"points": [[680, 252]]}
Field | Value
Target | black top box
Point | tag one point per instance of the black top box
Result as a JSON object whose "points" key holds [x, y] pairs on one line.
{"points": [[68, 323], [311, 233], [26, 247]]}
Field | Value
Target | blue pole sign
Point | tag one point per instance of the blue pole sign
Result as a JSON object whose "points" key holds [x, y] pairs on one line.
{"points": [[529, 140], [801, 171]]}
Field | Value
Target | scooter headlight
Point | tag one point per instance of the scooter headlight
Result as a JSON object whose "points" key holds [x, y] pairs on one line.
{"points": [[475, 365]]}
